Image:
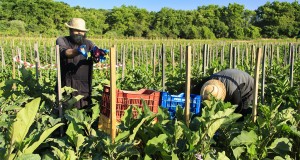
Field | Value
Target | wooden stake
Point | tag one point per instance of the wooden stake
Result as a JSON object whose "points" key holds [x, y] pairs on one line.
{"points": [[187, 85], [292, 66], [123, 64], [204, 60], [234, 57], [3, 60], [154, 57], [256, 80], [59, 93], [263, 75], [113, 96], [37, 64], [163, 61], [132, 57], [14, 87]]}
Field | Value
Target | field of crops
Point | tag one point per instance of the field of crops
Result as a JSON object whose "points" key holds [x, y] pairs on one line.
{"points": [[31, 128]]}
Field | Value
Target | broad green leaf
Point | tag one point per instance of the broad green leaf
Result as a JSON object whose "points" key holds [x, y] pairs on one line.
{"points": [[147, 157], [127, 116], [25, 118], [220, 118], [75, 134], [51, 97], [178, 131], [121, 136], [96, 112], [44, 135], [174, 156], [245, 138], [58, 153], [278, 158], [222, 156], [214, 127], [194, 140], [156, 140], [132, 136], [252, 150], [238, 151], [281, 146], [12, 108], [154, 144], [73, 100], [126, 150], [29, 157], [79, 141]]}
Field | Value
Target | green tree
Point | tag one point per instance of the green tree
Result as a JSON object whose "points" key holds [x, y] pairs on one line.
{"points": [[277, 19], [233, 18], [165, 22]]}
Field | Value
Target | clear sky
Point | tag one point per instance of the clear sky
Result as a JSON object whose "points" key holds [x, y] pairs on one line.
{"points": [[156, 5]]}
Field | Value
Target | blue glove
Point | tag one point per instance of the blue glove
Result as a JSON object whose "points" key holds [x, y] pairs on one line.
{"points": [[82, 49], [99, 54]]}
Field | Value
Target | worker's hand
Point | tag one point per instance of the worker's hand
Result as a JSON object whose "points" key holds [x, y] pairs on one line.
{"points": [[99, 54], [82, 50]]}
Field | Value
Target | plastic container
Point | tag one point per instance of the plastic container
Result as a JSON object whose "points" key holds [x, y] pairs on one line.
{"points": [[128, 98], [172, 101]]}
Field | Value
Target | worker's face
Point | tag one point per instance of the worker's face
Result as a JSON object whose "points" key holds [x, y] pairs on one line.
{"points": [[78, 36]]}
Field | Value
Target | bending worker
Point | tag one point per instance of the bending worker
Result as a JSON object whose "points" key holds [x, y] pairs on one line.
{"points": [[231, 85]]}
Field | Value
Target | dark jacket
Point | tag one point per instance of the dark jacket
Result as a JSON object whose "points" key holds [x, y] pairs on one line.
{"points": [[76, 72]]}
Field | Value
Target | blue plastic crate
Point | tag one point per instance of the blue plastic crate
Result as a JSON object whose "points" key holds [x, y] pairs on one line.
{"points": [[172, 101]]}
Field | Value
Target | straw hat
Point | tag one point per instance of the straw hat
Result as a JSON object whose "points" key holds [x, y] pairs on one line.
{"points": [[77, 23], [214, 87]]}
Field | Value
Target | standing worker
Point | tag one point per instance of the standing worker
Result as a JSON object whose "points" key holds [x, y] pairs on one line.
{"points": [[75, 61], [231, 85]]}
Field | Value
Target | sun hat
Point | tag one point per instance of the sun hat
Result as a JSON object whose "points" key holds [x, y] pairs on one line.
{"points": [[77, 23], [215, 88]]}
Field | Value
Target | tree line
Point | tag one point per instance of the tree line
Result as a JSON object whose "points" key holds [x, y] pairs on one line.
{"points": [[47, 18]]}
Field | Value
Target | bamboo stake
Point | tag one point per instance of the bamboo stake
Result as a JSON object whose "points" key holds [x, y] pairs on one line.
{"points": [[113, 96], [187, 85], [256, 80]]}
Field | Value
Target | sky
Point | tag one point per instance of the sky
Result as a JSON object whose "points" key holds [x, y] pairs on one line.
{"points": [[156, 5]]}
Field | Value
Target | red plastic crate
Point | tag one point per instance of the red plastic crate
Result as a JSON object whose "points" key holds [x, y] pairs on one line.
{"points": [[127, 98]]}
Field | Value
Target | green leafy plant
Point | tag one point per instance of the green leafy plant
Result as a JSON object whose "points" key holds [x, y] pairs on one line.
{"points": [[20, 141]]}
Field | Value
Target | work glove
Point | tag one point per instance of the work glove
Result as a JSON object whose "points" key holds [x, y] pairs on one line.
{"points": [[99, 54], [82, 50]]}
